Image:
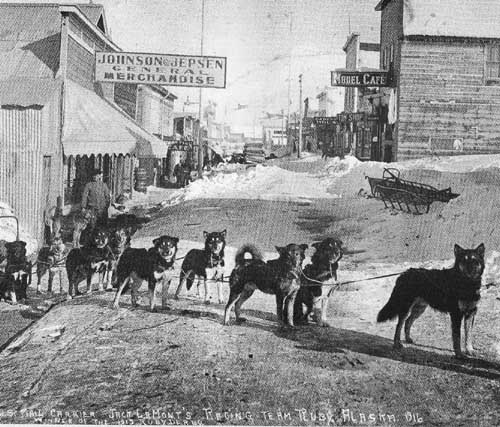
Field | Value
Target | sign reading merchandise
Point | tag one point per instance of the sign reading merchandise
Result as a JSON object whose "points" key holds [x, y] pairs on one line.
{"points": [[151, 68]]}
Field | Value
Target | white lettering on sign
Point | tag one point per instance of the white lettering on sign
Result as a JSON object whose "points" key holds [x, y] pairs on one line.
{"points": [[174, 70], [359, 78]]}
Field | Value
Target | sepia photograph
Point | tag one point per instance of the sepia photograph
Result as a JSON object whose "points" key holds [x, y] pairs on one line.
{"points": [[250, 212]]}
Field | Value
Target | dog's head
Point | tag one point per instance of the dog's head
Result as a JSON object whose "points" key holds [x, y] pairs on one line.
{"points": [[120, 237], [328, 251], [166, 246], [293, 254], [86, 215], [99, 238], [16, 251], [128, 221], [57, 246], [215, 242], [470, 262]]}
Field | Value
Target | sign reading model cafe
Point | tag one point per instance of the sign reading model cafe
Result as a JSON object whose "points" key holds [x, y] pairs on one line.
{"points": [[360, 78], [169, 70]]}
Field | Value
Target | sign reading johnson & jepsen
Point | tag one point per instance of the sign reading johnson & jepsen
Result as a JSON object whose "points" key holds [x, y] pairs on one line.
{"points": [[152, 68], [360, 78]]}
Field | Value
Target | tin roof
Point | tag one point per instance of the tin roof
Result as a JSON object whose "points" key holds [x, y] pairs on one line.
{"points": [[92, 11], [30, 42], [26, 92]]}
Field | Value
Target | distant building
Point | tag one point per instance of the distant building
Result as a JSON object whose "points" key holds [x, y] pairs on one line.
{"points": [[359, 56], [330, 101], [446, 88], [274, 131]]}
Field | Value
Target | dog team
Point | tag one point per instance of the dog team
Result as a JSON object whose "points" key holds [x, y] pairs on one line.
{"points": [[300, 291]]}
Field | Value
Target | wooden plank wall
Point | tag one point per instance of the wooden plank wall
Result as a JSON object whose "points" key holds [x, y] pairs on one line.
{"points": [[443, 97]]}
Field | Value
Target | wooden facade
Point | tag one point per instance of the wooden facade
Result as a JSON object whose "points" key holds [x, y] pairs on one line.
{"points": [[446, 102], [55, 122]]}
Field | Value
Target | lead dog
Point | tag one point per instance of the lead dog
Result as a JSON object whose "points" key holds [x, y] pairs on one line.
{"points": [[280, 277], [314, 293], [156, 266], [453, 290], [205, 263]]}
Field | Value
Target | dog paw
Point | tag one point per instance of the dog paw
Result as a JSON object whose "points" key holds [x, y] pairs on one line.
{"points": [[325, 324], [240, 320], [397, 346], [470, 351], [207, 302], [460, 356], [221, 301], [409, 340]]}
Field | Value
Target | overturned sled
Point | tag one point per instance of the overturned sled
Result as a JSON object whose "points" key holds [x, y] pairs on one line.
{"points": [[414, 197]]}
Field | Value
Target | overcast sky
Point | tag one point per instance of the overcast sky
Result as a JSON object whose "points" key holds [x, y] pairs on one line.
{"points": [[256, 38]]}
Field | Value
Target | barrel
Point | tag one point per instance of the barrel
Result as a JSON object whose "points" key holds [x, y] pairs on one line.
{"points": [[140, 180]]}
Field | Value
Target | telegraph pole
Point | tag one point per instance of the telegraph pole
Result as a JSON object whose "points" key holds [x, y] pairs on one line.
{"points": [[200, 142], [300, 116]]}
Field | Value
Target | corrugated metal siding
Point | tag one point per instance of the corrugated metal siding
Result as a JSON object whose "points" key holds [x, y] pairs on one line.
{"points": [[20, 168], [29, 22], [26, 136]]}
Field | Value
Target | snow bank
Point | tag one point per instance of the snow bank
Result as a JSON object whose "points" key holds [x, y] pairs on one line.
{"points": [[259, 182], [8, 230]]}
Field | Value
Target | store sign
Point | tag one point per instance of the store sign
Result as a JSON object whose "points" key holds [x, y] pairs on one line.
{"points": [[360, 78], [170, 70], [325, 121]]}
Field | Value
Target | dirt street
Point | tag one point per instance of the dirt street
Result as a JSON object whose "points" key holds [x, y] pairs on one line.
{"points": [[85, 362]]}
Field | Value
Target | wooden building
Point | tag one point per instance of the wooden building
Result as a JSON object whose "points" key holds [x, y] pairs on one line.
{"points": [[56, 123], [445, 57]]}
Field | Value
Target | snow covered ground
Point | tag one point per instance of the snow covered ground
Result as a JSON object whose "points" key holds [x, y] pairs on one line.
{"points": [[303, 180]]}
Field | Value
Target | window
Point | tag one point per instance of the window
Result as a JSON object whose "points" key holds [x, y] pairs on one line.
{"points": [[492, 68]]}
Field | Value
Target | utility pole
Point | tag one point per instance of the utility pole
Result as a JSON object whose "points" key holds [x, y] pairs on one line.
{"points": [[200, 142], [299, 146], [289, 79]]}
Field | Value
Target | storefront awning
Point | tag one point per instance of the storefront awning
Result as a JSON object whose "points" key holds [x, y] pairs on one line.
{"points": [[93, 125]]}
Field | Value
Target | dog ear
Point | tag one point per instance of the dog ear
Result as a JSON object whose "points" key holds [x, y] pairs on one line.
{"points": [[303, 246], [156, 241], [176, 240], [280, 249], [480, 250], [223, 232], [205, 234], [316, 245], [458, 250]]}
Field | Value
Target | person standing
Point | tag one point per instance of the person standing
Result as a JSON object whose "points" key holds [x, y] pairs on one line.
{"points": [[96, 197]]}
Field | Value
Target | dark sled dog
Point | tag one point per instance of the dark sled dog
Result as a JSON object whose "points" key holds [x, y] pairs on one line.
{"points": [[323, 268], [454, 290], [82, 263], [155, 265], [280, 277], [18, 267], [205, 263]]}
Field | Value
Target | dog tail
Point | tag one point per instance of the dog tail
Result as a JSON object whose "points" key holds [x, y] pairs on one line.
{"points": [[248, 248], [389, 311]]}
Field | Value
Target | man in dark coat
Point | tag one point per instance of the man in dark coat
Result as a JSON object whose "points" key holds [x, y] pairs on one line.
{"points": [[96, 198]]}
